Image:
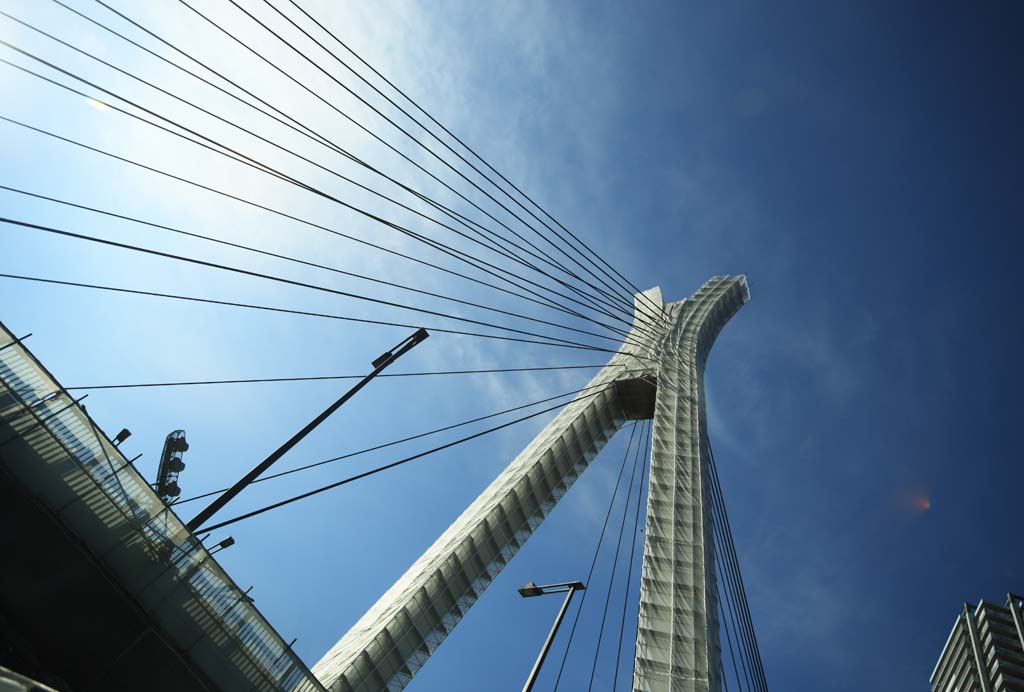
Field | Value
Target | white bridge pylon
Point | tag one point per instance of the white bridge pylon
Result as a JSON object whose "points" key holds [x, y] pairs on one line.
{"points": [[657, 373]]}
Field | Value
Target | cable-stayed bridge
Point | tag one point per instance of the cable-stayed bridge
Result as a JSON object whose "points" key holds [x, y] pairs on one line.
{"points": [[467, 254]]}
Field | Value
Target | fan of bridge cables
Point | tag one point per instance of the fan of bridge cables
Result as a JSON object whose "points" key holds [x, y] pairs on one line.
{"points": [[613, 586], [409, 222], [259, 111]]}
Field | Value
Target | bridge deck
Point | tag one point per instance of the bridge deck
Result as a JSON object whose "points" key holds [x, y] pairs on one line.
{"points": [[103, 587]]}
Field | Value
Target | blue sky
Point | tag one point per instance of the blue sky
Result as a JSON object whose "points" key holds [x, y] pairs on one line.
{"points": [[859, 162]]}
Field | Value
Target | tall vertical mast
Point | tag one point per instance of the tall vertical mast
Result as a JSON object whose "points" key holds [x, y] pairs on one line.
{"points": [[386, 647], [677, 632]]}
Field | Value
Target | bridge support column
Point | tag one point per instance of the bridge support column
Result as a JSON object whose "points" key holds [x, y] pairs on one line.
{"points": [[677, 634]]}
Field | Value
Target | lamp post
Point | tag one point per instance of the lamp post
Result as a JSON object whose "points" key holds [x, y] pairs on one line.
{"points": [[389, 357], [529, 591]]}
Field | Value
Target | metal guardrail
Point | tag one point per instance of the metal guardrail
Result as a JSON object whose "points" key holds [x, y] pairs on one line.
{"points": [[58, 452]]}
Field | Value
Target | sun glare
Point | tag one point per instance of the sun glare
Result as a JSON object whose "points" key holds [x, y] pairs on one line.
{"points": [[98, 105]]}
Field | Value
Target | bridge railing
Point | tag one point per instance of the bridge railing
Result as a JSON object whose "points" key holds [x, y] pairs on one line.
{"points": [[52, 446]]}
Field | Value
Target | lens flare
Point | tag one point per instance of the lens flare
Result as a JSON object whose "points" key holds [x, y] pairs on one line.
{"points": [[98, 105]]}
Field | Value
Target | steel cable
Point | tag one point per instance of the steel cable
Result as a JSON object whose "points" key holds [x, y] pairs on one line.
{"points": [[313, 93], [316, 265], [379, 469], [232, 123], [428, 131], [457, 139], [597, 551], [261, 206], [322, 378], [454, 215], [280, 279], [396, 442], [747, 625], [732, 653], [727, 596], [289, 311], [298, 126], [242, 158], [301, 127], [262, 167], [368, 131], [632, 553], [615, 565]]}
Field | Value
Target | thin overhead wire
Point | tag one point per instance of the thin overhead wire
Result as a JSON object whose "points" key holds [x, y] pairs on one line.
{"points": [[374, 448], [323, 28], [315, 265], [632, 553], [245, 46], [732, 653], [727, 596], [321, 378], [432, 134], [267, 169], [457, 255], [289, 311], [231, 153], [615, 563], [597, 552], [228, 121], [284, 119], [379, 469], [234, 124], [747, 625], [361, 126], [276, 212], [317, 135], [331, 230], [279, 279], [298, 126]]}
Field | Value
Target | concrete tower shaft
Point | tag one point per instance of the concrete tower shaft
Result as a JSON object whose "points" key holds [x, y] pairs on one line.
{"points": [[677, 635], [677, 632]]}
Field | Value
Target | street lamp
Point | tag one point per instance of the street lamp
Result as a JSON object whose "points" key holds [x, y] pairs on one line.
{"points": [[529, 591], [389, 357]]}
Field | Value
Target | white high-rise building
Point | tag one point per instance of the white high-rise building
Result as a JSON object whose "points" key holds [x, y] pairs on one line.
{"points": [[985, 650]]}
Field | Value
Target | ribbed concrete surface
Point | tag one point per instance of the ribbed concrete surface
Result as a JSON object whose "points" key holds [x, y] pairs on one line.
{"points": [[677, 633], [394, 638]]}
